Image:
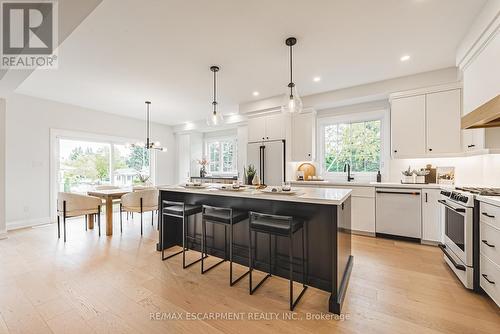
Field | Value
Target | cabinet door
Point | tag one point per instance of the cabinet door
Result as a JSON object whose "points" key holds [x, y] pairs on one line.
{"points": [[408, 126], [276, 127], [443, 121], [431, 215], [256, 129], [472, 139], [302, 137], [363, 214]]}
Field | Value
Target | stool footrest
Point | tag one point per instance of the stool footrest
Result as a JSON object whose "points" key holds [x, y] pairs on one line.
{"points": [[252, 290], [293, 304], [184, 266], [213, 266], [231, 283]]}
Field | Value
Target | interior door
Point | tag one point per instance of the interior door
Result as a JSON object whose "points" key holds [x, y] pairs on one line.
{"points": [[274, 163], [408, 126]]}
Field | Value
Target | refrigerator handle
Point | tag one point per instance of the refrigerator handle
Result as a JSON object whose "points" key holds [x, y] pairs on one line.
{"points": [[262, 162]]}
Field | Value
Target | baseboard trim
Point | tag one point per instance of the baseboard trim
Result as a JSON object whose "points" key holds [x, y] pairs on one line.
{"points": [[18, 224]]}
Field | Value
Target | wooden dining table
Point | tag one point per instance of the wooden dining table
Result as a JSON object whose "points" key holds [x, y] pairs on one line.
{"points": [[108, 195]]}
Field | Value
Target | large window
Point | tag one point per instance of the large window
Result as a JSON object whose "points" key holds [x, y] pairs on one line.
{"points": [[222, 156], [358, 141], [85, 164]]}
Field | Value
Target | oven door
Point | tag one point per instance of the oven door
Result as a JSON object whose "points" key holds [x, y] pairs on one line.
{"points": [[458, 230]]}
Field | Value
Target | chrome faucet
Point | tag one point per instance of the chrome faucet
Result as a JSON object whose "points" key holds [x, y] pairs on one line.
{"points": [[347, 168]]}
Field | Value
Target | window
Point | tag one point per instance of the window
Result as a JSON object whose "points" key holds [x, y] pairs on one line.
{"points": [[85, 164], [357, 140], [222, 156]]}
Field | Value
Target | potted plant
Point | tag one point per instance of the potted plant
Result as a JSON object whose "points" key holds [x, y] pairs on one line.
{"points": [[203, 167], [142, 179], [408, 176], [250, 172]]}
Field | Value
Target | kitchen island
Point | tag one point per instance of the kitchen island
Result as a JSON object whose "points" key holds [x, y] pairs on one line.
{"points": [[328, 215]]}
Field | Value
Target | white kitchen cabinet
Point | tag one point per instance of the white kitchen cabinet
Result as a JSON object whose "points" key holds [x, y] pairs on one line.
{"points": [[256, 129], [426, 122], [408, 126], [271, 127], [472, 140], [443, 111], [363, 214], [276, 127], [432, 229], [303, 137]]}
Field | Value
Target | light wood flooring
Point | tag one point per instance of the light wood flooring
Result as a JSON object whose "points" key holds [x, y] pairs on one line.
{"points": [[114, 285]]}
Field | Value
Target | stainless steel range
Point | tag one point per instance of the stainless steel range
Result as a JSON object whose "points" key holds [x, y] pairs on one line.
{"points": [[461, 225]]}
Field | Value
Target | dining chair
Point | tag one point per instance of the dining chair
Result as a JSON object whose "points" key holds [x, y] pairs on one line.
{"points": [[71, 205], [140, 202]]}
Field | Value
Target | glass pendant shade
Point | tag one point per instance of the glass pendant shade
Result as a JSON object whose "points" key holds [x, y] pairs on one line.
{"points": [[215, 119], [292, 103]]}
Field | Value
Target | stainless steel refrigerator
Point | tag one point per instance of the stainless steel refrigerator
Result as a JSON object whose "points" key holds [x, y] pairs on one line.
{"points": [[269, 160]]}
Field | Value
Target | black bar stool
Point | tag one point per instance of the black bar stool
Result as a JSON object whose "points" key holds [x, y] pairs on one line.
{"points": [[182, 211], [279, 226], [226, 217]]}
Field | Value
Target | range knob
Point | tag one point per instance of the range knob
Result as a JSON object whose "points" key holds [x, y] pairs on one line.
{"points": [[464, 199]]}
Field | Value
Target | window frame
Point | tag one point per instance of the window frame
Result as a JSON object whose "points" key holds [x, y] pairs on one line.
{"points": [[219, 140], [357, 117]]}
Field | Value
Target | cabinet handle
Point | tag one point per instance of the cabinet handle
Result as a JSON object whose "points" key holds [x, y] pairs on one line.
{"points": [[267, 137], [487, 244], [486, 278], [430, 150], [426, 199], [395, 151], [470, 146], [487, 215], [309, 154]]}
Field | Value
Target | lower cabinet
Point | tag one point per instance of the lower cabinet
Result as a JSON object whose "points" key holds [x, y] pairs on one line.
{"points": [[489, 249], [432, 229], [363, 214]]}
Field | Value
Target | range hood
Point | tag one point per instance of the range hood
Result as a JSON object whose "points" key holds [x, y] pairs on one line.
{"points": [[485, 116]]}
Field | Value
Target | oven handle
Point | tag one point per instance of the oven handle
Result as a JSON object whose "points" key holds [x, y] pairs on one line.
{"points": [[442, 201], [458, 266], [398, 192]]}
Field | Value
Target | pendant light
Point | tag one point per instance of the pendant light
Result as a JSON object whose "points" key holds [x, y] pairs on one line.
{"points": [[149, 144], [215, 117], [292, 102]]}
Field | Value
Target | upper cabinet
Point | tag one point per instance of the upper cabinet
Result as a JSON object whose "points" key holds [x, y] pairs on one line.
{"points": [[303, 136], [443, 121], [408, 126], [426, 123], [264, 128]]}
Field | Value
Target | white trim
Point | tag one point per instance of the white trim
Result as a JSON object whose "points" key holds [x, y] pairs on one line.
{"points": [[382, 115], [3, 235], [426, 90], [56, 134], [480, 43], [18, 224]]}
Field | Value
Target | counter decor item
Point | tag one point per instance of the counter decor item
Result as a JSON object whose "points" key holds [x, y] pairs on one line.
{"points": [[379, 177], [445, 175], [203, 167], [256, 180], [409, 176], [420, 176], [249, 173], [431, 176], [308, 169]]}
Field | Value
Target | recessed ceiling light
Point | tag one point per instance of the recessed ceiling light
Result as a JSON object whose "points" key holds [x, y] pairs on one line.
{"points": [[255, 93], [405, 58], [316, 79]]}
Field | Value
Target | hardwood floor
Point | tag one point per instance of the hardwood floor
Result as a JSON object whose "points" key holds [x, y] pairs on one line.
{"points": [[116, 284]]}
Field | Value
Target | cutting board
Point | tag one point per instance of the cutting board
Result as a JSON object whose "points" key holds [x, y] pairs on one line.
{"points": [[308, 169]]}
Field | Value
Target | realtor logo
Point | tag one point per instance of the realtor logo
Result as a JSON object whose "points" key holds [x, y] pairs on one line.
{"points": [[29, 34]]}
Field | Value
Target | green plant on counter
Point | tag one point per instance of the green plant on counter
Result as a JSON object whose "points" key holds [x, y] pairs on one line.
{"points": [[249, 173]]}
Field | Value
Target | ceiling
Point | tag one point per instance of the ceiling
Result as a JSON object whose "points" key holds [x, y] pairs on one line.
{"points": [[127, 51]]}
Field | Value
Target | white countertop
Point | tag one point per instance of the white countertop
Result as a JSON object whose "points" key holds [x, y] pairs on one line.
{"points": [[331, 196], [493, 200], [332, 183]]}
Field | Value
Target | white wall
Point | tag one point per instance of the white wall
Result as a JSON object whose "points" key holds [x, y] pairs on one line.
{"points": [[3, 229], [29, 121]]}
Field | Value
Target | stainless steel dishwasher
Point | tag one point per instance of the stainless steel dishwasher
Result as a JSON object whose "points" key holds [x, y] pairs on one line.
{"points": [[398, 212]]}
